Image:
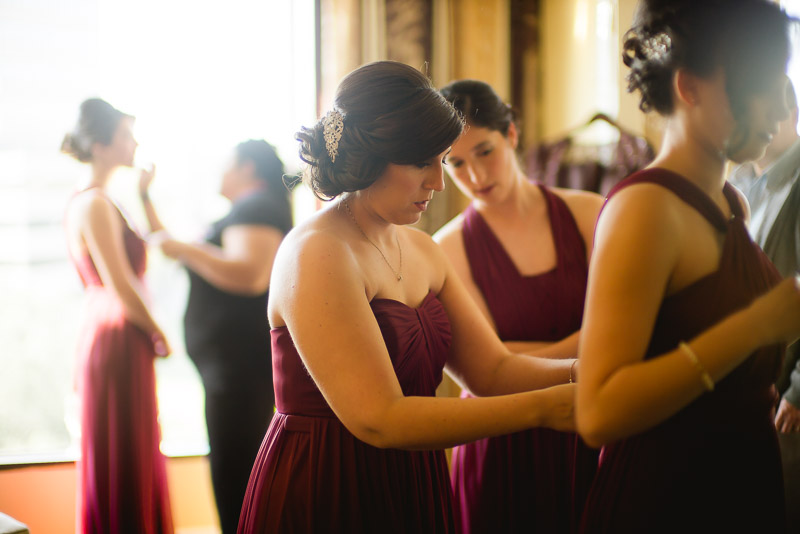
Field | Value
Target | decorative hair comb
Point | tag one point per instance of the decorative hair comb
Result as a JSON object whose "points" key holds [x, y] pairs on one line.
{"points": [[657, 47], [332, 127]]}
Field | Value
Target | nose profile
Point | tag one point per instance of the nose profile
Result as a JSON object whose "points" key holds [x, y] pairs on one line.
{"points": [[475, 176], [436, 180]]}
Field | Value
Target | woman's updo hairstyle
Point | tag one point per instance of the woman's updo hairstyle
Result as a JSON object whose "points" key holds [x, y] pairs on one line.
{"points": [[480, 105], [97, 122], [748, 39], [391, 114]]}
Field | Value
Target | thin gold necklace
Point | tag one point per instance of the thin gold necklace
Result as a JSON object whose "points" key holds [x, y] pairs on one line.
{"points": [[398, 273]]}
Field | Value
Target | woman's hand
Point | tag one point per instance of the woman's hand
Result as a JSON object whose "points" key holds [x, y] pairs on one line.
{"points": [[145, 179], [160, 344], [777, 312], [559, 408], [788, 418], [171, 248]]}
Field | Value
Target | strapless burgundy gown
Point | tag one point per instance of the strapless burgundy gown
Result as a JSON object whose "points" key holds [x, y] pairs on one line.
{"points": [[715, 465], [532, 481], [122, 481], [313, 475]]}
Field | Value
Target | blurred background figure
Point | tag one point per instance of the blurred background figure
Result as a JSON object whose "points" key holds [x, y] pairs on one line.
{"points": [[522, 251], [226, 329], [122, 474], [772, 185]]}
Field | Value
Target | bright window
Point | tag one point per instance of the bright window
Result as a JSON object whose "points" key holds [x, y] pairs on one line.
{"points": [[200, 77], [793, 8]]}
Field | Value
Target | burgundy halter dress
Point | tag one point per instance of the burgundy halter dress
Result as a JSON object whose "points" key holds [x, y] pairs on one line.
{"points": [[714, 466], [536, 480]]}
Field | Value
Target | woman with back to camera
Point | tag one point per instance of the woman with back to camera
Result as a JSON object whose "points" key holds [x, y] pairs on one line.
{"points": [[686, 319], [522, 252], [122, 474], [227, 335], [365, 314]]}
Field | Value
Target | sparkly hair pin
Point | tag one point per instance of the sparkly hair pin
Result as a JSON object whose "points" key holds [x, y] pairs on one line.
{"points": [[332, 127], [657, 47]]}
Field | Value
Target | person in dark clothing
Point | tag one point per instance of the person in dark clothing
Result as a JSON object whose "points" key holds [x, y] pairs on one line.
{"points": [[227, 335]]}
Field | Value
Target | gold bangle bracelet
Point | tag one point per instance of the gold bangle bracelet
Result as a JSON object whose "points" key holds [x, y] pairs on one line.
{"points": [[571, 369], [704, 376]]}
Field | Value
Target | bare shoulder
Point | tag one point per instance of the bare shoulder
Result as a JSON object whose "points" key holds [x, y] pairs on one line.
{"points": [[642, 207], [312, 261], [316, 243], [91, 209]]}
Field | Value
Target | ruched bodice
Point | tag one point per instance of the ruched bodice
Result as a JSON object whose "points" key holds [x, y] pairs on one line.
{"points": [[418, 340], [313, 475]]}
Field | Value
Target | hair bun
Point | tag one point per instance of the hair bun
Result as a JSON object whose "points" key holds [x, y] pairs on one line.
{"points": [[326, 178], [97, 123], [748, 39], [72, 147], [391, 114]]}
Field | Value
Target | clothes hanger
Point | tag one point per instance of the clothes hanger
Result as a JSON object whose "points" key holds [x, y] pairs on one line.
{"points": [[591, 133], [600, 116]]}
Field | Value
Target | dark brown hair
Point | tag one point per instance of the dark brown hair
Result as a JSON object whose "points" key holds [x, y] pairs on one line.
{"points": [[267, 165], [392, 114], [748, 39], [97, 122], [480, 105]]}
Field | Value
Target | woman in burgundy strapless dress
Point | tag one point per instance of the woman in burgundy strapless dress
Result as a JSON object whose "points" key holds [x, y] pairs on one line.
{"points": [[522, 251], [365, 313], [686, 319], [122, 485]]}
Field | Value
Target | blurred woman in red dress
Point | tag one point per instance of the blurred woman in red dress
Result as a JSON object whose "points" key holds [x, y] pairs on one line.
{"points": [[122, 474]]}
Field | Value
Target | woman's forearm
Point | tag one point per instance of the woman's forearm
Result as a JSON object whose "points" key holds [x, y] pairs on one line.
{"points": [[134, 306], [517, 373], [150, 212], [565, 348], [641, 395], [424, 423], [228, 274]]}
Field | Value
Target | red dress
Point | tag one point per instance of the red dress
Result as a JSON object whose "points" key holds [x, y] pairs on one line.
{"points": [[535, 480], [715, 465], [122, 483], [313, 475]]}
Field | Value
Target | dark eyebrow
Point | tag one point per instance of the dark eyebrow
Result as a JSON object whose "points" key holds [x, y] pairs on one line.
{"points": [[480, 146]]}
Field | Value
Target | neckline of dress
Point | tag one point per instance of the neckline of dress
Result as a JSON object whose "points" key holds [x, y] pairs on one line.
{"points": [[507, 256], [426, 298], [378, 300]]}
